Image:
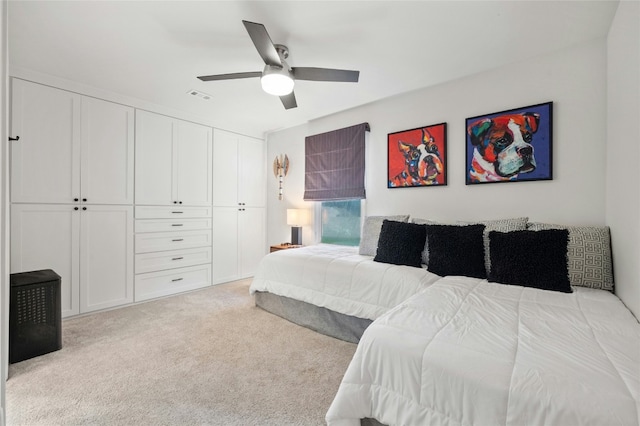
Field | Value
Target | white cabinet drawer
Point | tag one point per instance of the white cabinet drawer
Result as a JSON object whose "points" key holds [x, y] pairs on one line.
{"points": [[162, 241], [163, 283], [163, 225], [170, 212], [151, 262]]}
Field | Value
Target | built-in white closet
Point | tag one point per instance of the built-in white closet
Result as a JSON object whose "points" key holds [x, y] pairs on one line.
{"points": [[72, 193], [239, 201], [128, 205], [173, 205]]}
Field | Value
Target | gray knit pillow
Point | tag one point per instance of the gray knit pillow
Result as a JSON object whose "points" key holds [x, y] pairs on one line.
{"points": [[589, 256], [371, 232], [501, 225]]}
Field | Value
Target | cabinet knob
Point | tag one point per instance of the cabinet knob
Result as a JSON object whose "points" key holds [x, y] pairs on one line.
{"points": [[76, 199], [179, 202], [84, 199], [175, 202], [75, 208], [84, 208]]}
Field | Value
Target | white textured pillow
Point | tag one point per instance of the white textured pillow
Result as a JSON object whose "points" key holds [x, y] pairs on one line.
{"points": [[371, 232], [589, 256], [501, 225]]}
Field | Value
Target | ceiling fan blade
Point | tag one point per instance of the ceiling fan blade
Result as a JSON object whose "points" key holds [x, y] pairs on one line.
{"points": [[263, 43], [231, 76], [325, 74], [289, 101]]}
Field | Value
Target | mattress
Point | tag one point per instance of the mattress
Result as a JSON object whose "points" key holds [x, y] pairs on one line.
{"points": [[339, 279], [466, 351]]}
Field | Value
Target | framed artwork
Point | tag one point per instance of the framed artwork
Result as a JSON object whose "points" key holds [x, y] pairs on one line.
{"points": [[417, 157], [510, 146]]}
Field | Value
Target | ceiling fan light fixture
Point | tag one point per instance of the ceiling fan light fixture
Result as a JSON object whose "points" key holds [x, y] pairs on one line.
{"points": [[276, 81]]}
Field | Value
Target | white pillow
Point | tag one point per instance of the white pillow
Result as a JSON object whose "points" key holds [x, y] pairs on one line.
{"points": [[371, 232]]}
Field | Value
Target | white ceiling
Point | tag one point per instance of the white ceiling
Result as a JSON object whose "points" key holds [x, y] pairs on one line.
{"points": [[153, 51]]}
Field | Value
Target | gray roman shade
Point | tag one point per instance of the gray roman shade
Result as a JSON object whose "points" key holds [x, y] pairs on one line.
{"points": [[334, 164]]}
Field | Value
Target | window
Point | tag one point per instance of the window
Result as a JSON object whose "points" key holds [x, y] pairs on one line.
{"points": [[340, 222]]}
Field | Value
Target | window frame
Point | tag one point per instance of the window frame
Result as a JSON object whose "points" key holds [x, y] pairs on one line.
{"points": [[317, 225]]}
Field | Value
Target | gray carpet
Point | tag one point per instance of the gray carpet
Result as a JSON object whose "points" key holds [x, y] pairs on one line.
{"points": [[208, 357]]}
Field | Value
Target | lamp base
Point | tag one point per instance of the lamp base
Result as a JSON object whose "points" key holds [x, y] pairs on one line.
{"points": [[296, 235]]}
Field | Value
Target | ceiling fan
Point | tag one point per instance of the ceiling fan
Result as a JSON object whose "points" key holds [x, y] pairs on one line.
{"points": [[278, 78]]}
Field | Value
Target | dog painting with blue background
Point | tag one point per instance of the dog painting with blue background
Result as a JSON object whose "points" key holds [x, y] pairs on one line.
{"points": [[512, 145], [417, 157]]}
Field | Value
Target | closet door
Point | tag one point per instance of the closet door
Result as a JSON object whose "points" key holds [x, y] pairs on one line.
{"points": [[106, 257], [252, 172], [154, 159], [251, 239], [45, 162], [193, 164], [46, 236], [225, 244], [106, 152], [225, 168]]}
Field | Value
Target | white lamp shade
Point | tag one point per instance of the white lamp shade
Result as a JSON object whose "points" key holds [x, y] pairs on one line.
{"points": [[277, 84], [296, 217]]}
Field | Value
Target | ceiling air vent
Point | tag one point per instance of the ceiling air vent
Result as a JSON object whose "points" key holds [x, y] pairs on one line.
{"points": [[200, 95]]}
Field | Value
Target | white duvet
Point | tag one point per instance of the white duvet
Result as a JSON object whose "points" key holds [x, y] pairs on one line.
{"points": [[338, 278], [468, 352]]}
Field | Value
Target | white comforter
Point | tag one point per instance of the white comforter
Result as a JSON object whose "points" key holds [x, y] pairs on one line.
{"points": [[338, 278], [465, 351]]}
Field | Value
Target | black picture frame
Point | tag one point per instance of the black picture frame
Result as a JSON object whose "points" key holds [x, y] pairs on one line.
{"points": [[417, 157], [514, 145]]}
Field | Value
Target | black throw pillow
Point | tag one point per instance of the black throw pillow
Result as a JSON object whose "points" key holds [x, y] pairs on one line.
{"points": [[456, 250], [400, 243], [530, 259]]}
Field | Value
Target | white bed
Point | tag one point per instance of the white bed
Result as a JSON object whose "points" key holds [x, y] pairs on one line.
{"points": [[466, 351], [339, 279]]}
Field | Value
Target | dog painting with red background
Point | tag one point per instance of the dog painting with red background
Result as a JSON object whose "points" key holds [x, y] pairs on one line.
{"points": [[416, 157]]}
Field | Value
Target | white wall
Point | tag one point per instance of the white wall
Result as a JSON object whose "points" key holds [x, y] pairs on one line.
{"points": [[575, 80], [4, 212], [290, 142], [623, 152]]}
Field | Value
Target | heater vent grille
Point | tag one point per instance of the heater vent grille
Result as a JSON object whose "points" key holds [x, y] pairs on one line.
{"points": [[200, 95]]}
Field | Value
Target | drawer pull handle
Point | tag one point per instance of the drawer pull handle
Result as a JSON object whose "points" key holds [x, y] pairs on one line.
{"points": [[177, 258], [178, 239], [176, 279], [176, 212], [176, 224]]}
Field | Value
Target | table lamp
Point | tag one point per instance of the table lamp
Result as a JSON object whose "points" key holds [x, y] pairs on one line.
{"points": [[295, 219]]}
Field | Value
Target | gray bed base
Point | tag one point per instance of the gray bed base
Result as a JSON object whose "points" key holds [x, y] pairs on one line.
{"points": [[370, 422], [322, 320]]}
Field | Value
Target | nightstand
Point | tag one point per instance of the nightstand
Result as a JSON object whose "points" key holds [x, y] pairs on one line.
{"points": [[283, 246]]}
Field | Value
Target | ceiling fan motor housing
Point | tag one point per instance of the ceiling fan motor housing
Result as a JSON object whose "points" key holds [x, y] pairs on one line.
{"points": [[283, 51]]}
